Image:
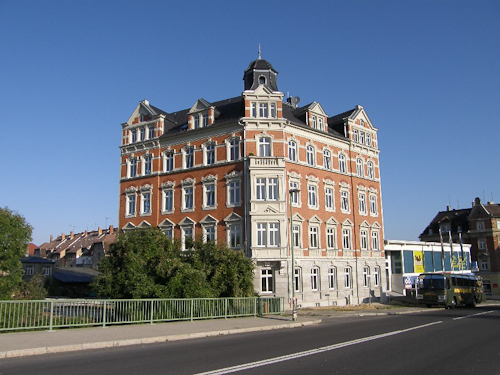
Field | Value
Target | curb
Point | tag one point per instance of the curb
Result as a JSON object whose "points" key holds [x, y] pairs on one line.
{"points": [[147, 340]]}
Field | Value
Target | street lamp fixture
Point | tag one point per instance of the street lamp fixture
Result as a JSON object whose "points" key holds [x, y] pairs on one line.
{"points": [[292, 276]]}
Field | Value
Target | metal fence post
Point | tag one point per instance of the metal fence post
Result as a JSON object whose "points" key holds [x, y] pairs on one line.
{"points": [[192, 308], [225, 308], [151, 315], [104, 311], [51, 314]]}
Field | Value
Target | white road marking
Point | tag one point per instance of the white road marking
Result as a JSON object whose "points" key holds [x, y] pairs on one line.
{"points": [[288, 357], [469, 316]]}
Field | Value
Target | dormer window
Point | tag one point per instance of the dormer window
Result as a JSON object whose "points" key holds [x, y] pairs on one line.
{"points": [[263, 111], [143, 118], [134, 135], [196, 121], [262, 80], [205, 120], [320, 123]]}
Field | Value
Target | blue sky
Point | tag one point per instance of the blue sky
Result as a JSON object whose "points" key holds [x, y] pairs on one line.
{"points": [[427, 72]]}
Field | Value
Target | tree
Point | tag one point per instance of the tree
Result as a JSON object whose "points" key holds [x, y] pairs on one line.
{"points": [[144, 263], [15, 234]]}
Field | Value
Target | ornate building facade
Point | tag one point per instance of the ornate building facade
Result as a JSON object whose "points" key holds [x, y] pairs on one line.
{"points": [[262, 174]]}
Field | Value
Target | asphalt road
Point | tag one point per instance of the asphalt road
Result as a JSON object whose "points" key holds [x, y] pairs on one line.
{"points": [[460, 341]]}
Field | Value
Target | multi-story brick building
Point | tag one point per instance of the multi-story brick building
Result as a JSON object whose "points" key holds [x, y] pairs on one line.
{"points": [[227, 170], [479, 226]]}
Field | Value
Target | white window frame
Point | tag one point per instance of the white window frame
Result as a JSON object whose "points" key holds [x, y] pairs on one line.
{"points": [[366, 277], [184, 233], [267, 280], [310, 155], [342, 163], [363, 238], [146, 195], [332, 278], [265, 146], [373, 205], [297, 279], [132, 167], [362, 203], [209, 228], [348, 277], [268, 234], [297, 235], [209, 186], [315, 279], [131, 208], [188, 157], [370, 170], [292, 150], [167, 191], [331, 237], [47, 270], [209, 153], [346, 238], [327, 159], [233, 149], [295, 197], [168, 161], [30, 270], [375, 240], [376, 276], [312, 196], [314, 236], [233, 189], [234, 235], [188, 189], [147, 161], [360, 167], [329, 198], [344, 201]]}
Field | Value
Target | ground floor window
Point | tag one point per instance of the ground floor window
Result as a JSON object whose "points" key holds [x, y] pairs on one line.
{"points": [[266, 277]]}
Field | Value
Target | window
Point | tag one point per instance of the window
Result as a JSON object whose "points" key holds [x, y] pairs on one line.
{"points": [[234, 193], [234, 235], [346, 238], [310, 155], [480, 225], [151, 132], [168, 200], [297, 279], [261, 234], [187, 238], [368, 139], [329, 199], [264, 146], [375, 240], [327, 161], [313, 237], [313, 122], [355, 135], [169, 161], [132, 170], [47, 270], [254, 109], [292, 150], [234, 149], [205, 120], [373, 205], [142, 133], [342, 163], [274, 234], [363, 234], [315, 279], [262, 80], [366, 276], [189, 157], [482, 244], [209, 195], [272, 188], [369, 170], [209, 232], [146, 203], [210, 154], [131, 204], [30, 270], [269, 185], [168, 228], [196, 119], [188, 194], [376, 276], [134, 135], [266, 277], [272, 108], [347, 278], [484, 265], [331, 237], [263, 111], [148, 161], [296, 235], [359, 167], [362, 203], [361, 137], [312, 196], [332, 278], [294, 186], [344, 201], [320, 123]]}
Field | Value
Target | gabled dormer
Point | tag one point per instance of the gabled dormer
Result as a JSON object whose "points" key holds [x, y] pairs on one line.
{"points": [[263, 103], [145, 123], [202, 114], [355, 125]]}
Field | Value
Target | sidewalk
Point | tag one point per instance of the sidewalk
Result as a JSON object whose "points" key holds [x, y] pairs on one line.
{"points": [[19, 344]]}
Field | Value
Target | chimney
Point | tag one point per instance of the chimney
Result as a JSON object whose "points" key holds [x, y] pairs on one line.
{"points": [[71, 234], [63, 237], [111, 229], [99, 231], [51, 238], [86, 233], [476, 202], [448, 208]]}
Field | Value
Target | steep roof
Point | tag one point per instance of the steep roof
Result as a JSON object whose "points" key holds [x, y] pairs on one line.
{"points": [[455, 217], [260, 64]]}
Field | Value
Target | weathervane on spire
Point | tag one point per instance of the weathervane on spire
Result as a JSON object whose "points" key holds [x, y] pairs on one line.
{"points": [[259, 52]]}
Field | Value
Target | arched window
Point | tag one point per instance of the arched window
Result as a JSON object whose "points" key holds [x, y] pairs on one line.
{"points": [[369, 170], [327, 159], [292, 150], [262, 80], [310, 155], [342, 163], [359, 167]]}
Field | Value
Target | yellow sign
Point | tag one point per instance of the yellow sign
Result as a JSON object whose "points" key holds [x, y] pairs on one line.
{"points": [[418, 261]]}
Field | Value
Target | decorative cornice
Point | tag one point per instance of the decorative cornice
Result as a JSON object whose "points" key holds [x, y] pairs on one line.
{"points": [[168, 185], [209, 177], [188, 181], [328, 181], [131, 189], [146, 187], [233, 174]]}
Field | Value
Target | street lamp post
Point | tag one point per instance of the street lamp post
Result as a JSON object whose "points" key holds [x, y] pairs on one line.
{"points": [[294, 304]]}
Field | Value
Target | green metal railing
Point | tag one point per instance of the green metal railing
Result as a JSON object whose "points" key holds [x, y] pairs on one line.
{"points": [[50, 314]]}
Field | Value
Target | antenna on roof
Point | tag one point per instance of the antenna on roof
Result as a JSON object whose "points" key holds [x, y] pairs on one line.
{"points": [[73, 226], [107, 218], [259, 53]]}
